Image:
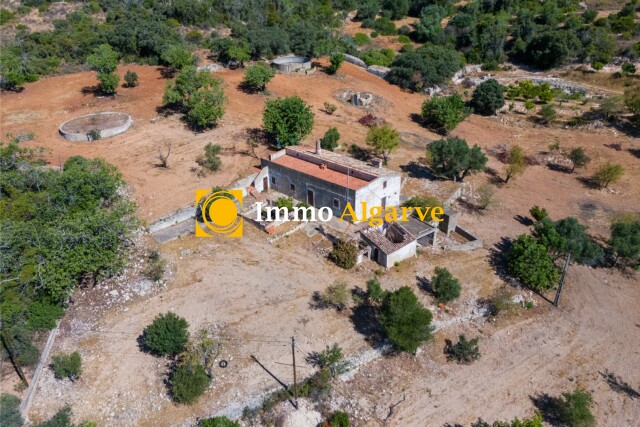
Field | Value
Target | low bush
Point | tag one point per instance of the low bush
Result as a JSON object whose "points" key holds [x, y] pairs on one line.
{"points": [[167, 335], [188, 383], [155, 267], [330, 108], [218, 422], [336, 295], [67, 365], [463, 351], [10, 411], [445, 286], [344, 254], [339, 419], [330, 139], [210, 160]]}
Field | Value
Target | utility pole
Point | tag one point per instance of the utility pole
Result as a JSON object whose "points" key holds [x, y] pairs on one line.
{"points": [[295, 379], [564, 272]]}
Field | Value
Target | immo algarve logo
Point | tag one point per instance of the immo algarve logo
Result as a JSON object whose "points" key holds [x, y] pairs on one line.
{"points": [[220, 213]]}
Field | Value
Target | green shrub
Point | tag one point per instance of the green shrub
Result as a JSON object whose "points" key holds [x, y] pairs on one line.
{"points": [[362, 39], [330, 108], [375, 294], [405, 321], [538, 213], [131, 78], [339, 419], [445, 286], [331, 358], [288, 119], [344, 254], [5, 16], [336, 295], [488, 97], [574, 409], [606, 174], [258, 76], [218, 422], [404, 39], [10, 411], [529, 262], [548, 113], [463, 351], [330, 139], [62, 418], [67, 365], [167, 335], [94, 135], [210, 160], [384, 26], [188, 383], [383, 57], [444, 112], [44, 313], [336, 61], [285, 202], [155, 267]]}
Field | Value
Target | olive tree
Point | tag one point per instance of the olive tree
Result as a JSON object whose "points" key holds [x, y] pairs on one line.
{"points": [[454, 159], [383, 140]]}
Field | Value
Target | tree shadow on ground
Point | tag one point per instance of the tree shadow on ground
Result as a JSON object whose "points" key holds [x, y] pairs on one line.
{"points": [[92, 90], [365, 319], [167, 72], [634, 152], [416, 170], [244, 87], [359, 153], [259, 136], [494, 177], [497, 258], [417, 118], [559, 168], [628, 128], [548, 407], [589, 183], [619, 386], [425, 285], [524, 220]]}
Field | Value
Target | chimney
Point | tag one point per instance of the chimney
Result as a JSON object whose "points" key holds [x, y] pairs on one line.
{"points": [[378, 163], [318, 146]]}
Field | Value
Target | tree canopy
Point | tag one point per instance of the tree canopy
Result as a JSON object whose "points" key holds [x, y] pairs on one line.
{"points": [[289, 120], [453, 158], [529, 262], [488, 97], [383, 140], [405, 321], [199, 95], [427, 66], [257, 76], [444, 112]]}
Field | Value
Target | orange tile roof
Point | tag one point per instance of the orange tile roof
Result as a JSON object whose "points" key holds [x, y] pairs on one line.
{"points": [[324, 174]]}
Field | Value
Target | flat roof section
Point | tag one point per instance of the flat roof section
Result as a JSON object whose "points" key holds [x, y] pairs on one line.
{"points": [[316, 171], [342, 160]]}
